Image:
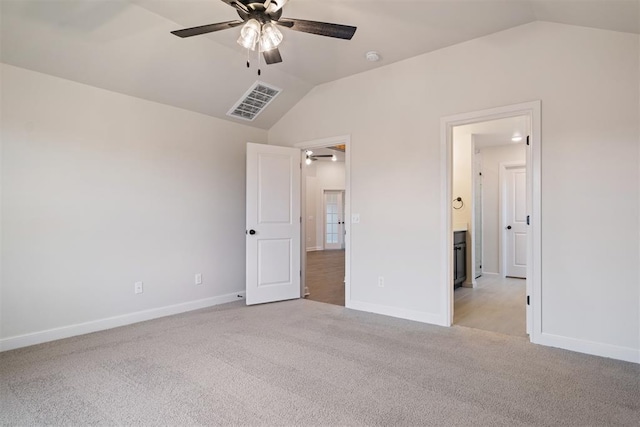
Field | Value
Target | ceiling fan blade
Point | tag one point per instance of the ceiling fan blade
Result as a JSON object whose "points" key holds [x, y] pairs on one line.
{"points": [[204, 29], [327, 29], [272, 56]]}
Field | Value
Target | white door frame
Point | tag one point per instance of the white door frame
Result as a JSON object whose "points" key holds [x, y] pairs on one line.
{"points": [[502, 208], [473, 229], [321, 143], [534, 285]]}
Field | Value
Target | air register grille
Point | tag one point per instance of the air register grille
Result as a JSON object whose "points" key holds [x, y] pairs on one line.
{"points": [[254, 101]]}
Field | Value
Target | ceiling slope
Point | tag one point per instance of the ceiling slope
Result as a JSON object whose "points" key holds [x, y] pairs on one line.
{"points": [[126, 46]]}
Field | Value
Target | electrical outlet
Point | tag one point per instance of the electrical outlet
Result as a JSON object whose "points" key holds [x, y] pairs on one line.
{"points": [[137, 288], [198, 278], [380, 281]]}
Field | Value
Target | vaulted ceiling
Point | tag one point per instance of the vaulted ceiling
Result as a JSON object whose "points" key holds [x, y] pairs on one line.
{"points": [[126, 45]]}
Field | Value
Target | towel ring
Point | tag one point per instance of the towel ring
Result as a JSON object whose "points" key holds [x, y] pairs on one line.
{"points": [[458, 200]]}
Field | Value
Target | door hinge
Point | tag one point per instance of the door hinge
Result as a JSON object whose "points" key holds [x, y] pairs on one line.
{"points": [[528, 220], [528, 300], [300, 220], [528, 140]]}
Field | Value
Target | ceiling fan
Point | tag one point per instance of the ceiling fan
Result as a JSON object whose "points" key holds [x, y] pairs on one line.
{"points": [[261, 19]]}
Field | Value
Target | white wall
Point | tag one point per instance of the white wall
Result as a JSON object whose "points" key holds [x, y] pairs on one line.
{"points": [[100, 190], [320, 176], [462, 185], [491, 231], [590, 186], [461, 177], [311, 195]]}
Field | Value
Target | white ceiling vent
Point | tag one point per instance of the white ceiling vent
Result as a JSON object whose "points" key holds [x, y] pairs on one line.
{"points": [[254, 101]]}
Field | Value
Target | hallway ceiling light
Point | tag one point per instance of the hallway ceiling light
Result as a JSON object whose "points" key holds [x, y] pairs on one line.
{"points": [[516, 138]]}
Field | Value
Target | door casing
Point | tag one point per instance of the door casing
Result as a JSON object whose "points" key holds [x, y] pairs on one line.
{"points": [[532, 110], [322, 143]]}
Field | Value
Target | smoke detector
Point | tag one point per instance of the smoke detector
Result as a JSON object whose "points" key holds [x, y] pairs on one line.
{"points": [[372, 56]]}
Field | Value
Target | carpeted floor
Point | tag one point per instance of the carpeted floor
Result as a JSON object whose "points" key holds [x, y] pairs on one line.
{"points": [[306, 363]]}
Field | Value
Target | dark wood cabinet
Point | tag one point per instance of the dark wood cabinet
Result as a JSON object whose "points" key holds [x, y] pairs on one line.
{"points": [[459, 258]]}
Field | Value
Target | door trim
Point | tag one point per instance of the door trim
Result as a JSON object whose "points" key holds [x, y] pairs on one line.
{"points": [[502, 213], [320, 143], [532, 110]]}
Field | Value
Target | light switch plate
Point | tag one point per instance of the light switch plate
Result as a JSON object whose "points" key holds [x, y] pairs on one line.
{"points": [[355, 218]]}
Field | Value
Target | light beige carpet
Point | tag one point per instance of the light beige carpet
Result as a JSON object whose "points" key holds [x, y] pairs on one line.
{"points": [[308, 363]]}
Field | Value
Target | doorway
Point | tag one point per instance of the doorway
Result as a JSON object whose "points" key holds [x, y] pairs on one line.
{"points": [[478, 214], [325, 205]]}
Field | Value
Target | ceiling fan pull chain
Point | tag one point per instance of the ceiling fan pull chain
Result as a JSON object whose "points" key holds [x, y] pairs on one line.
{"points": [[259, 72]]}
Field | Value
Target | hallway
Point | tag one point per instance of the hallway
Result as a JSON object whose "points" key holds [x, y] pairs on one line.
{"points": [[325, 276], [496, 305]]}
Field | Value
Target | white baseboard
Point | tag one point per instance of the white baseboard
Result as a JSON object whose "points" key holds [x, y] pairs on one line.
{"points": [[589, 347], [418, 316], [314, 248], [26, 340], [485, 273]]}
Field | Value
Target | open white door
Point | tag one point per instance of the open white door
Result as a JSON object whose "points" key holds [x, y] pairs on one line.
{"points": [[273, 223], [528, 307]]}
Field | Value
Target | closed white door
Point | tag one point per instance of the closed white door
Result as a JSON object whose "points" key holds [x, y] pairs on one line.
{"points": [[515, 201], [273, 224], [333, 220]]}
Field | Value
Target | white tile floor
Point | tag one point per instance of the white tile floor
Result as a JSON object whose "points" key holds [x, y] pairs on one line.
{"points": [[496, 305]]}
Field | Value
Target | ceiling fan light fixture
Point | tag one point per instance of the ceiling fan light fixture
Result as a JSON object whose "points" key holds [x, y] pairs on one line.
{"points": [[334, 158], [249, 34], [271, 37]]}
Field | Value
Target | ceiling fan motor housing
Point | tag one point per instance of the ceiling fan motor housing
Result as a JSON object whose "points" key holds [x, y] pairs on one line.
{"points": [[258, 11]]}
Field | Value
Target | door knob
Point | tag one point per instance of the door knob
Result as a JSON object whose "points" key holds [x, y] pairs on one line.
{"points": [[508, 227], [252, 232]]}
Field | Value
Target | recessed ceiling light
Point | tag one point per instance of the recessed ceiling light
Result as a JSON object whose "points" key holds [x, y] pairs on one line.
{"points": [[372, 56], [516, 138]]}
